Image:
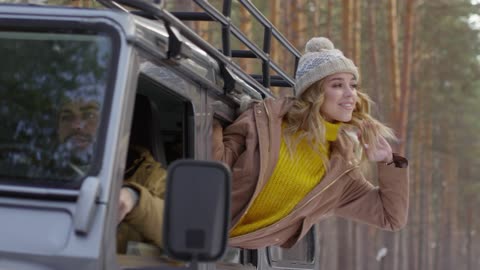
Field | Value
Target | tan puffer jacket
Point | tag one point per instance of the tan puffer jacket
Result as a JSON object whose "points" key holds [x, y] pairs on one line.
{"points": [[145, 222]]}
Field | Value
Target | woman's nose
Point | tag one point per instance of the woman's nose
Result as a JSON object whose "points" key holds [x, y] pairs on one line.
{"points": [[349, 91]]}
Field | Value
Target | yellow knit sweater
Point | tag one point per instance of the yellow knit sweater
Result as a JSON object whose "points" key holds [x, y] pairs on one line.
{"points": [[293, 178]]}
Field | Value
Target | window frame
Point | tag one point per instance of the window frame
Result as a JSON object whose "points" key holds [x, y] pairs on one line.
{"points": [[310, 237], [155, 91]]}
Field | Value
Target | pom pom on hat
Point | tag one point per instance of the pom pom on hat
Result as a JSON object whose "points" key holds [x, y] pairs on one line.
{"points": [[318, 44], [320, 60]]}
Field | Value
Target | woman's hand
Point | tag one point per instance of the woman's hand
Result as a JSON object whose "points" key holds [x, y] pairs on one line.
{"points": [[380, 152]]}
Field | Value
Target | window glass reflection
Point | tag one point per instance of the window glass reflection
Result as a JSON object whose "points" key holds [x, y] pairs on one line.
{"points": [[52, 88]]}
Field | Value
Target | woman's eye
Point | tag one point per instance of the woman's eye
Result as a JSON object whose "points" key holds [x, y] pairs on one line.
{"points": [[337, 85], [354, 86]]}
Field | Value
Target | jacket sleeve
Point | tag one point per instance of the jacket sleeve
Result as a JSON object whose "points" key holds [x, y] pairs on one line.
{"points": [[147, 216], [230, 142], [385, 206]]}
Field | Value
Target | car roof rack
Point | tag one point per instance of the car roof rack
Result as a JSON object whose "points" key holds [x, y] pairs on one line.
{"points": [[262, 82]]}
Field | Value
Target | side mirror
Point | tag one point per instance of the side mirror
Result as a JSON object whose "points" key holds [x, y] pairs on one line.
{"points": [[197, 210]]}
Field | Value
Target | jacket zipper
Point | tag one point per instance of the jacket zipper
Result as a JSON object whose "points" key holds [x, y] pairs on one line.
{"points": [[269, 147], [269, 125]]}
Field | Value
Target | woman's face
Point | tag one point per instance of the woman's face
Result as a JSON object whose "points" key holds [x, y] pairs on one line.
{"points": [[340, 97]]}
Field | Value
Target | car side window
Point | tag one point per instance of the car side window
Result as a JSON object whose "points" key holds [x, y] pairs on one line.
{"points": [[51, 106]]}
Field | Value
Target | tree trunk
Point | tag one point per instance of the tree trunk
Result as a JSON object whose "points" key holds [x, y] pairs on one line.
{"points": [[394, 72], [301, 22], [450, 166], [393, 49], [429, 236], [403, 108], [357, 31], [468, 235], [293, 24], [405, 259], [328, 30], [415, 215], [395, 252], [415, 193], [246, 28], [201, 27], [317, 14], [275, 18], [347, 21], [372, 236], [344, 244], [361, 246], [378, 93], [351, 245], [185, 6]]}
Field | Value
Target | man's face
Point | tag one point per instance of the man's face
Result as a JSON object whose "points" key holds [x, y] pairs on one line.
{"points": [[78, 123]]}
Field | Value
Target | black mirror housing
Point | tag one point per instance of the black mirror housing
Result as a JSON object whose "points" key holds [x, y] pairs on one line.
{"points": [[197, 210]]}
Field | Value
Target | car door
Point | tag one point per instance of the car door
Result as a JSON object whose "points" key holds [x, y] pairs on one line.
{"points": [[63, 84]]}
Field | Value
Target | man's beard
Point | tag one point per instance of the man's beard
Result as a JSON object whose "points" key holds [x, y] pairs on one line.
{"points": [[80, 156]]}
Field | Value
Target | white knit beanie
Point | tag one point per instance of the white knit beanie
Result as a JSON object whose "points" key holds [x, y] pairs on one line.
{"points": [[320, 60]]}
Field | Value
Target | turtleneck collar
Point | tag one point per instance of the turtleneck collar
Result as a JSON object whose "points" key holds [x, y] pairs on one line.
{"points": [[331, 130]]}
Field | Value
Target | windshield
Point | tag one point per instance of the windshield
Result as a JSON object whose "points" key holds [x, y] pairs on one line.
{"points": [[53, 88]]}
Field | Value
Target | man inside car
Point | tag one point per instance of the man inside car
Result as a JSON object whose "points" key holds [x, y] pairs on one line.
{"points": [[141, 200]]}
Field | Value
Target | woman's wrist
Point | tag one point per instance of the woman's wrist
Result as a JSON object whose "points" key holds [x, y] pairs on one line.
{"points": [[399, 161], [389, 160]]}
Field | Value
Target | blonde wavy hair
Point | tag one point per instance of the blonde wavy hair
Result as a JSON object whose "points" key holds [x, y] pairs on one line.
{"points": [[305, 116]]}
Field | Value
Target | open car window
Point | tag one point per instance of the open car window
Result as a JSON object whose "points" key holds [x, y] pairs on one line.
{"points": [[53, 88]]}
